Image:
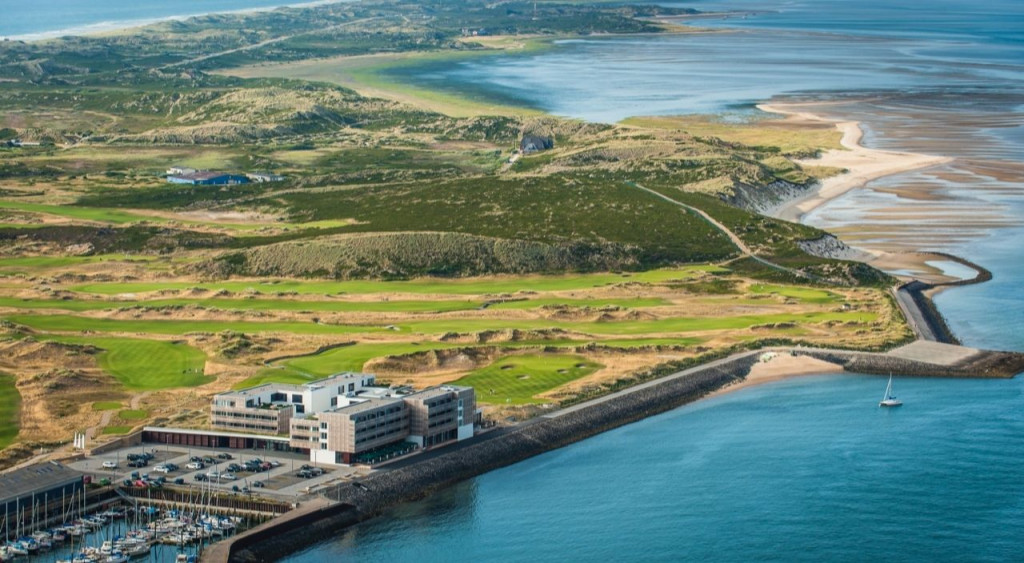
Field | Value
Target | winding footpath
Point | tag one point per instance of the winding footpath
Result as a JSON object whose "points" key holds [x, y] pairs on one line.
{"points": [[736, 240]]}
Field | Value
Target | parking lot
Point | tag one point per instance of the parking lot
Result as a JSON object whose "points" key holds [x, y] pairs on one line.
{"points": [[279, 482]]}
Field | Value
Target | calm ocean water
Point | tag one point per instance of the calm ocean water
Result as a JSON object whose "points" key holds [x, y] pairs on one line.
{"points": [[808, 469], [49, 18]]}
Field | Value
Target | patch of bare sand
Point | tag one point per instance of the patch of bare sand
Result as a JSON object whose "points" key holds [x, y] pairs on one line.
{"points": [[780, 367], [862, 164]]}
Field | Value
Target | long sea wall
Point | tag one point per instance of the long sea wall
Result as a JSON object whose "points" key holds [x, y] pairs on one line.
{"points": [[358, 501], [387, 488]]}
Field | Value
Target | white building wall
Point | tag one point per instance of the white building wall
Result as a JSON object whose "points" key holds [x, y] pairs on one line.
{"points": [[323, 457], [465, 431]]}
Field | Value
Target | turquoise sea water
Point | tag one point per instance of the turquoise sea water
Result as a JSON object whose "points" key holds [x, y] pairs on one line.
{"points": [[808, 469], [803, 470]]}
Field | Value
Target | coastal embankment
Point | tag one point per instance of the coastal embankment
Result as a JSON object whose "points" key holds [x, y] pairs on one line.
{"points": [[351, 502]]}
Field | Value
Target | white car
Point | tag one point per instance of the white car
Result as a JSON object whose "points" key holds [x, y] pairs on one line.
{"points": [[228, 476], [213, 474], [162, 469], [109, 465], [195, 465]]}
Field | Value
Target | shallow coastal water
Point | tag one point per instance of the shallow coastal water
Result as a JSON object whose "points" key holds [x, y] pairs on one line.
{"points": [[53, 18], [808, 469]]}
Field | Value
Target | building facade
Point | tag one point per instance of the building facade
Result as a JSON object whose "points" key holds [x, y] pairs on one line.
{"points": [[270, 408], [342, 418]]}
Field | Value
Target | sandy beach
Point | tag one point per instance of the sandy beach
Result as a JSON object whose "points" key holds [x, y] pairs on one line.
{"points": [[862, 164], [778, 368]]}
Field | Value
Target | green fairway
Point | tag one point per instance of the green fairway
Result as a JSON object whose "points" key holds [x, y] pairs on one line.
{"points": [[117, 429], [70, 323], [441, 306], [133, 414], [250, 305], [353, 358], [10, 406], [106, 405], [147, 364], [802, 294], [518, 380], [435, 286], [26, 264]]}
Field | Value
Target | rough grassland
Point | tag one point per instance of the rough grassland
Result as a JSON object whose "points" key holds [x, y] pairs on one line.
{"points": [[106, 405], [519, 379], [147, 364], [426, 286], [10, 405]]}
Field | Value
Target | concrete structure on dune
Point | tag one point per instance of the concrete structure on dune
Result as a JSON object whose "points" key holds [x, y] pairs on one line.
{"points": [[207, 178], [344, 418]]}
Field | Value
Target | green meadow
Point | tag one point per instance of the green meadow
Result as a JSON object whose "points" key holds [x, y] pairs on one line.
{"points": [[518, 380], [10, 405]]}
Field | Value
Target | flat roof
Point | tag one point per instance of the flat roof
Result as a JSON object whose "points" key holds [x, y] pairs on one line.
{"points": [[296, 387], [367, 405], [36, 478], [203, 175]]}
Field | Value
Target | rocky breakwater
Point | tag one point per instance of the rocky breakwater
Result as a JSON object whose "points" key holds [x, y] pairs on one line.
{"points": [[497, 449]]}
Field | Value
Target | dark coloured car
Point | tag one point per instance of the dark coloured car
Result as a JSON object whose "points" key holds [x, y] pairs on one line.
{"points": [[200, 477], [179, 481], [195, 458], [234, 467], [304, 474], [208, 459], [225, 456], [259, 484]]}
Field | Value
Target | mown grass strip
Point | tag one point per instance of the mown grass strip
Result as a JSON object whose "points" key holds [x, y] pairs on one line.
{"points": [[517, 380], [146, 364], [678, 325], [10, 410], [106, 406], [129, 414], [430, 286]]}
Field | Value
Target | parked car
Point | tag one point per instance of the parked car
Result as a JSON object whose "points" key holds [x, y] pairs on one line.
{"points": [[104, 482], [304, 474], [200, 477], [109, 465], [135, 475], [234, 467], [195, 458], [172, 466], [213, 474], [225, 456], [259, 484], [316, 472], [208, 460], [275, 463], [161, 469], [307, 467], [228, 476], [179, 481], [137, 463], [195, 465]]}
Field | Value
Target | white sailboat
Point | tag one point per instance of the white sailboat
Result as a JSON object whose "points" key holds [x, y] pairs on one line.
{"points": [[889, 400]]}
